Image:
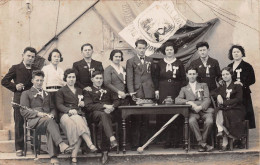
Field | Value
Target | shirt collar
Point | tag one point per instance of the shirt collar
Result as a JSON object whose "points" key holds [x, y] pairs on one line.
{"points": [[169, 61], [118, 69], [27, 67], [206, 59], [140, 56]]}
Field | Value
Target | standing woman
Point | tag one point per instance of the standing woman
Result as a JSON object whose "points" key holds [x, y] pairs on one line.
{"points": [[243, 75], [69, 101], [169, 77], [115, 76], [231, 111], [53, 79]]}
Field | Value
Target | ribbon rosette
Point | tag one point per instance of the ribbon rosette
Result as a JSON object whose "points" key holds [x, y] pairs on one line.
{"points": [[148, 66], [91, 70], [80, 97], [228, 93], [207, 70], [238, 73], [175, 68], [102, 91], [200, 93]]}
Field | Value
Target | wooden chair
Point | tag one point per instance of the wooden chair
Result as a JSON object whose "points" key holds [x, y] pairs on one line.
{"points": [[245, 134], [33, 138]]}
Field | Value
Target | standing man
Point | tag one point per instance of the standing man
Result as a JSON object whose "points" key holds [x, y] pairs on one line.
{"points": [[41, 116], [208, 68], [85, 67], [140, 85], [197, 95], [17, 80]]}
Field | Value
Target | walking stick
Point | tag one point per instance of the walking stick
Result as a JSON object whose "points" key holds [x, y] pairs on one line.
{"points": [[141, 149]]}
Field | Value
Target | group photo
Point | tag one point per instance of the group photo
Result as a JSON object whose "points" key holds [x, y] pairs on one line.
{"points": [[111, 82]]}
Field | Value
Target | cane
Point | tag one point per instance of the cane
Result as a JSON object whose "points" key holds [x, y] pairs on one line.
{"points": [[141, 149]]}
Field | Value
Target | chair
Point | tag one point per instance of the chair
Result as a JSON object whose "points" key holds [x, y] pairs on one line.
{"points": [[33, 138], [94, 134], [245, 134]]}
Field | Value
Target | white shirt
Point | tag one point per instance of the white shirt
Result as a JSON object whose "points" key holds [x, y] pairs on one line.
{"points": [[119, 70], [235, 65], [142, 60], [204, 61], [193, 87], [88, 62], [52, 77]]}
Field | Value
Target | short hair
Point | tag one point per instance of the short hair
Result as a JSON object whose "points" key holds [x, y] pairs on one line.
{"points": [[168, 44], [230, 56], [67, 72], [37, 73], [191, 68], [114, 52], [31, 49], [87, 44], [202, 44], [140, 42], [57, 51], [229, 69], [96, 73]]}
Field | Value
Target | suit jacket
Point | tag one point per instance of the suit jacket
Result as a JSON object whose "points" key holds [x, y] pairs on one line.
{"points": [[67, 100], [113, 80], [186, 94], [247, 76], [138, 77], [83, 73], [19, 74], [31, 99], [214, 72], [94, 101]]}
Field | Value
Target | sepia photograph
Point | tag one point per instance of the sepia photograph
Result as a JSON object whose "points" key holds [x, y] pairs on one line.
{"points": [[129, 82]]}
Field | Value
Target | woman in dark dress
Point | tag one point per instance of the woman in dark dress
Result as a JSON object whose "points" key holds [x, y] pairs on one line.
{"points": [[169, 78], [231, 111], [243, 75]]}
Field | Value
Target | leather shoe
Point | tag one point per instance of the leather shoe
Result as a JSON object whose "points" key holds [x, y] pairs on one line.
{"points": [[104, 158], [209, 148], [202, 149], [223, 149], [113, 144], [19, 153]]}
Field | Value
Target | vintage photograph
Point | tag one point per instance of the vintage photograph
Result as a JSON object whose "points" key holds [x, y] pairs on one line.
{"points": [[129, 82]]}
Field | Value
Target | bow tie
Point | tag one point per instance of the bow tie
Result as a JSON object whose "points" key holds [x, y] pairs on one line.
{"points": [[141, 58], [40, 90]]}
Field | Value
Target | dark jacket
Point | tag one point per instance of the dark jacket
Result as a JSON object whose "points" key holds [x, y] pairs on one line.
{"points": [[83, 73]]}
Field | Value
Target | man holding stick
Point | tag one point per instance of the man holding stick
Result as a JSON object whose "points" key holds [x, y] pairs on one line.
{"points": [[40, 114], [197, 95]]}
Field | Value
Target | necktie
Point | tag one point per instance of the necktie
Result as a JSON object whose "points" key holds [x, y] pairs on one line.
{"points": [[142, 59]]}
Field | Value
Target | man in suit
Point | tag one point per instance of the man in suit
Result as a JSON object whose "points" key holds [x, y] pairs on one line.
{"points": [[208, 68], [197, 95], [101, 104], [17, 80], [85, 67], [41, 115], [140, 85]]}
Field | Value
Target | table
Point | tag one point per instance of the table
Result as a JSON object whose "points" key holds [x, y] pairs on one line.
{"points": [[156, 109]]}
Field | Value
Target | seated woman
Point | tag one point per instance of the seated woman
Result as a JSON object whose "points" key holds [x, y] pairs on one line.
{"points": [[230, 112], [69, 101]]}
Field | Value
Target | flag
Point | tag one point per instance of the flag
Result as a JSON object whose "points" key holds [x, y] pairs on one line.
{"points": [[156, 22]]}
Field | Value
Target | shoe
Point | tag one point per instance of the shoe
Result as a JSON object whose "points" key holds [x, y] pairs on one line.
{"points": [[93, 148], [209, 148], [74, 160], [223, 149], [220, 134], [231, 136], [113, 144], [104, 158], [68, 150], [19, 153], [201, 149]]}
